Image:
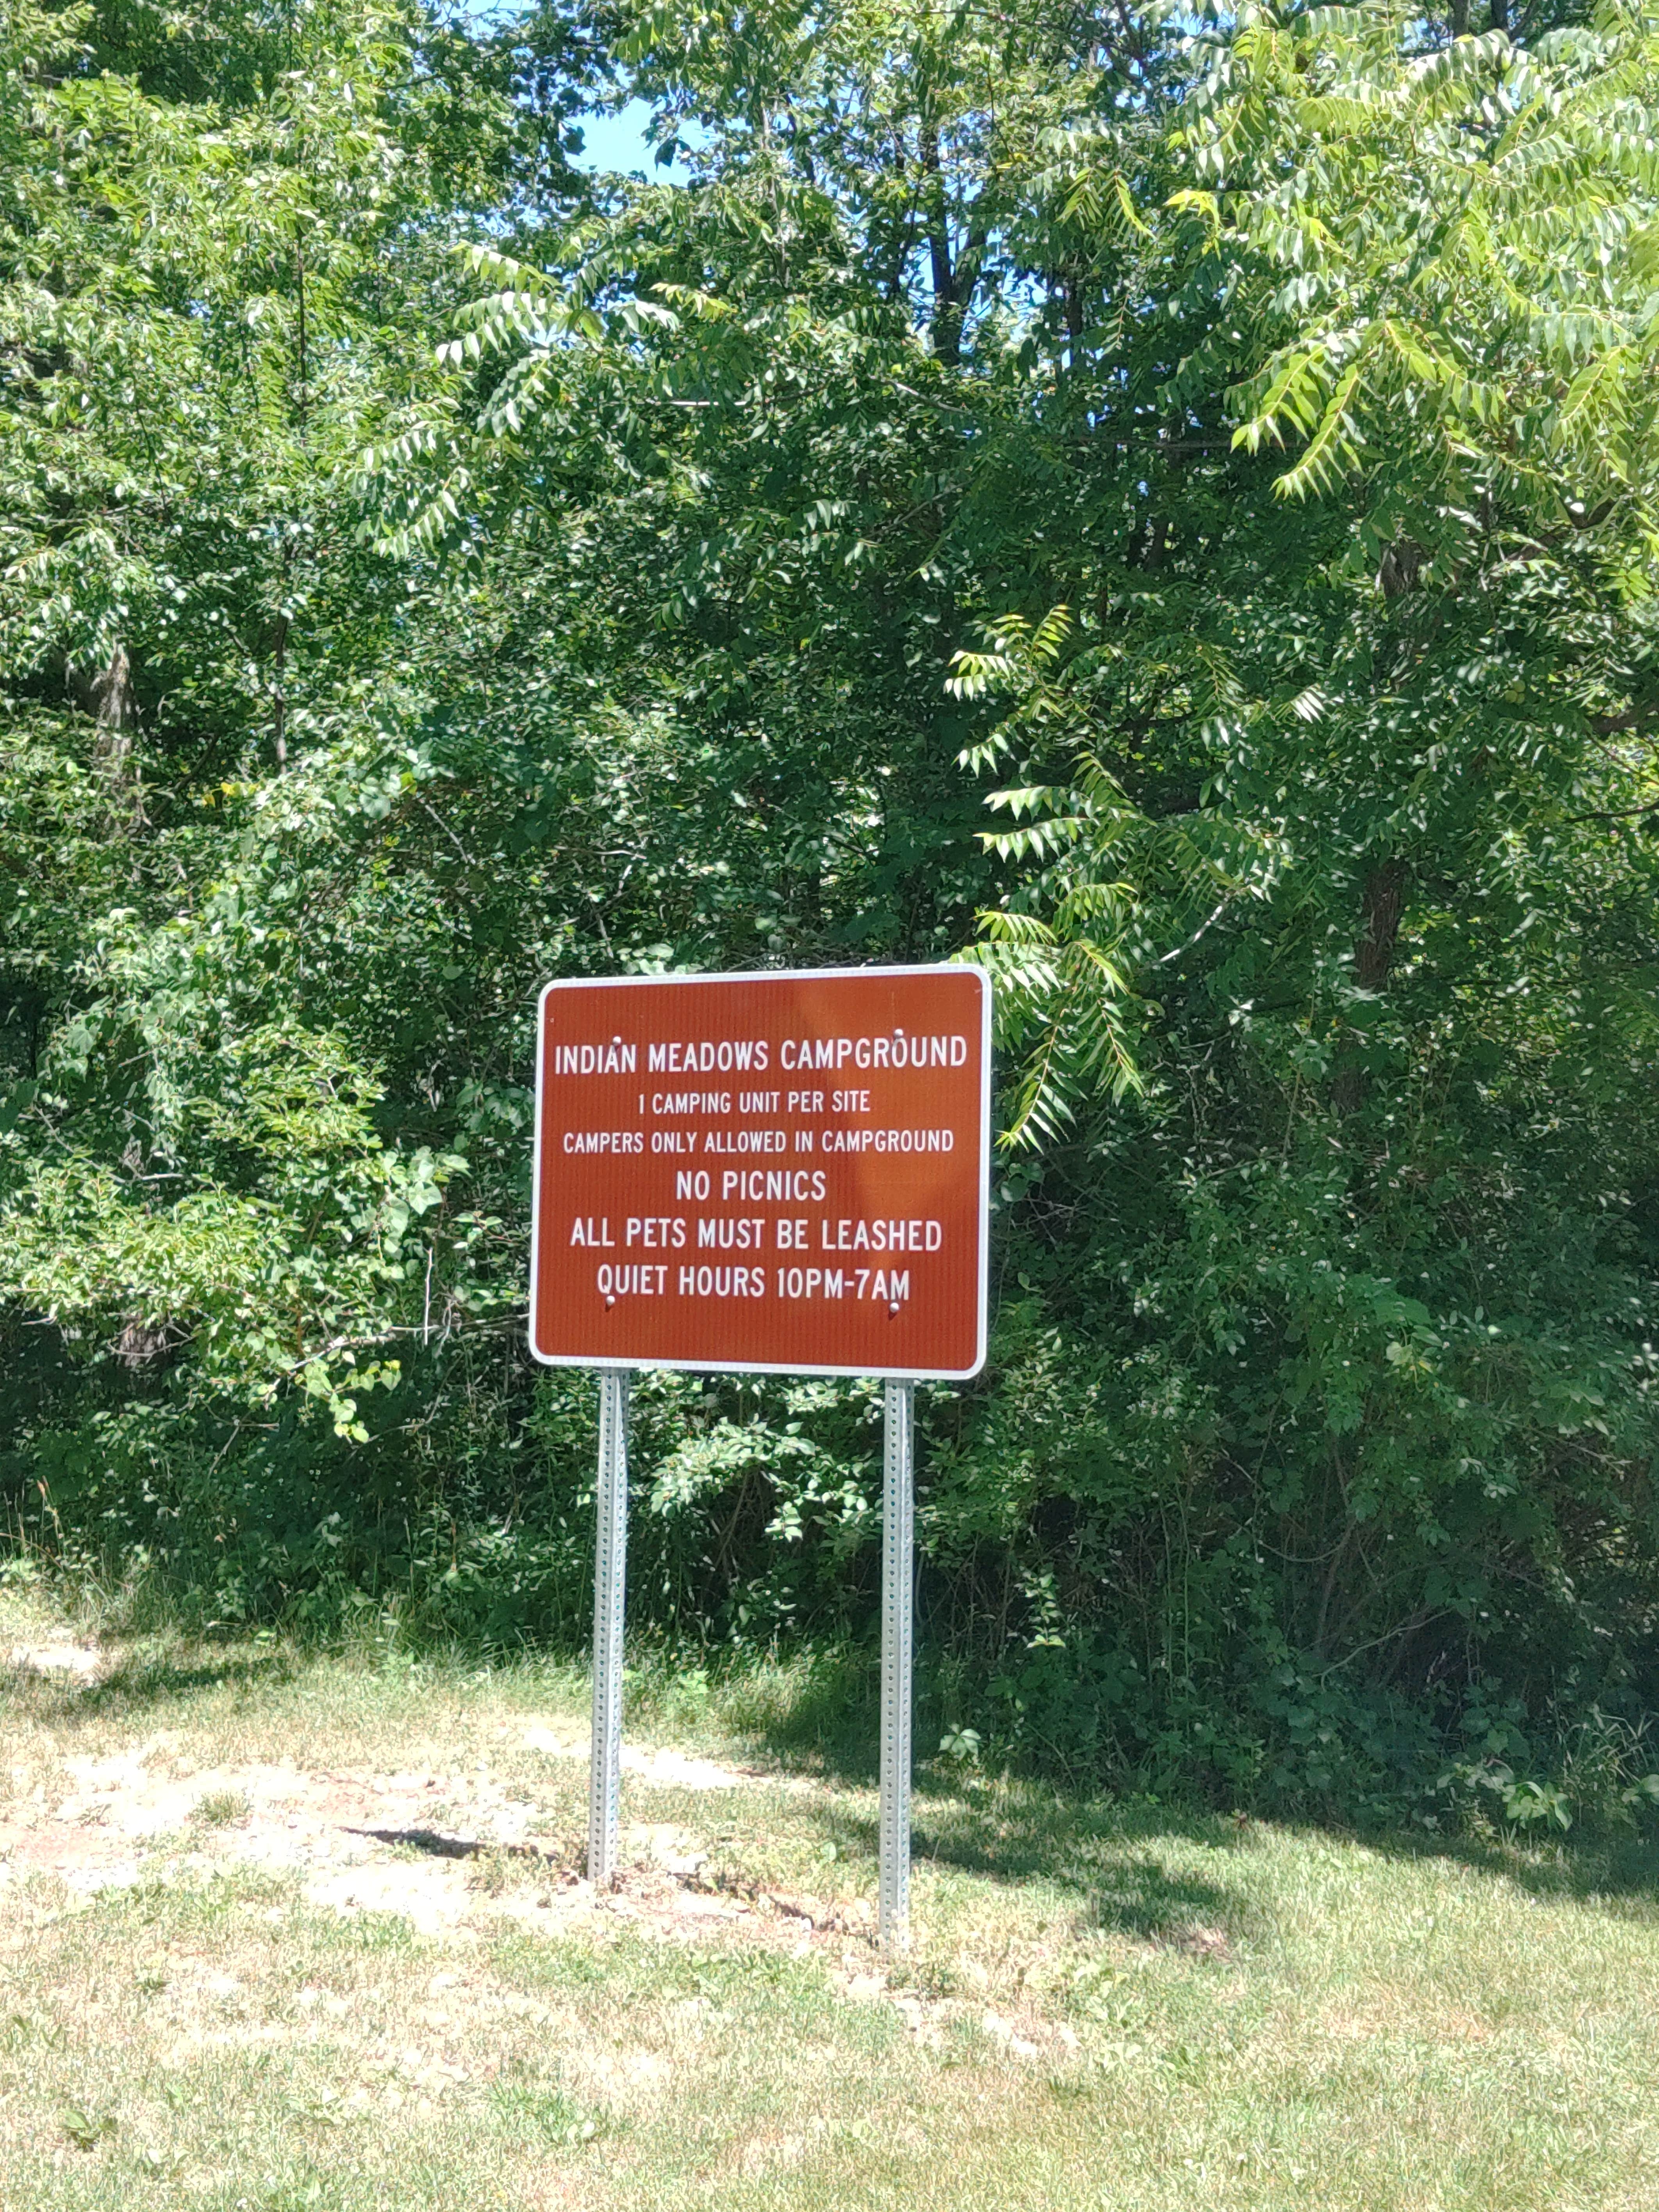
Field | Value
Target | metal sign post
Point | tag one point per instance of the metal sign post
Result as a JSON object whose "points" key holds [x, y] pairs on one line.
{"points": [[610, 1596], [898, 1635]]}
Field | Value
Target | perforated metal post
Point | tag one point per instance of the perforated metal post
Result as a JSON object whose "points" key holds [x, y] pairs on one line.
{"points": [[609, 1592], [898, 1635]]}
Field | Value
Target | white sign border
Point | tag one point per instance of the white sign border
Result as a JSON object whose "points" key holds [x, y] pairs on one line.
{"points": [[767, 1366]]}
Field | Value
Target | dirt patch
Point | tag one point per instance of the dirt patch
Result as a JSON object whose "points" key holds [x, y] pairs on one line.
{"points": [[474, 1839], [664, 1769], [1381, 2019], [1197, 1942], [56, 1659], [453, 1854], [440, 1850]]}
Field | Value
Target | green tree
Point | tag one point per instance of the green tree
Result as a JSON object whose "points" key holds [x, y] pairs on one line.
{"points": [[1332, 792], [1225, 446]]}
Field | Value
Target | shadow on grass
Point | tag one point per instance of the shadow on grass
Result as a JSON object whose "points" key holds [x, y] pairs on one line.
{"points": [[427, 1841], [140, 1680], [817, 1712], [1101, 1848], [1122, 1884], [430, 1844], [1114, 1859], [1620, 1874]]}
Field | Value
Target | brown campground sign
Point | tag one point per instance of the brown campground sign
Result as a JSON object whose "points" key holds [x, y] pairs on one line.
{"points": [[770, 1171]]}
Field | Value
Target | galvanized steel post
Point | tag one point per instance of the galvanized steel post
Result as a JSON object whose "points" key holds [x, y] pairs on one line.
{"points": [[897, 1638], [609, 1592]]}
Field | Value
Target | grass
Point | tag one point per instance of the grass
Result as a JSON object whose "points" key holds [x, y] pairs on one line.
{"points": [[1106, 2007]]}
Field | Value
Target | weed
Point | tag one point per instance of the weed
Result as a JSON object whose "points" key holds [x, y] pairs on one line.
{"points": [[545, 2114], [86, 2131], [220, 1808]]}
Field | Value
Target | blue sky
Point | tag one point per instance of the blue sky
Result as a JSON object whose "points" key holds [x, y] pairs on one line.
{"points": [[618, 142]]}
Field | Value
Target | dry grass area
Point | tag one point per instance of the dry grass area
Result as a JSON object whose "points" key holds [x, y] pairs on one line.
{"points": [[279, 1933]]}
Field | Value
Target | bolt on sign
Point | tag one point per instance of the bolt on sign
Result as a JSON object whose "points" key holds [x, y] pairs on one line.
{"points": [[782, 1172]]}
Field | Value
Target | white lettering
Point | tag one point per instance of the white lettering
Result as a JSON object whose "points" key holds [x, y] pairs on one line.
{"points": [[613, 1059], [724, 1233], [777, 1186], [722, 1282], [888, 1140]]}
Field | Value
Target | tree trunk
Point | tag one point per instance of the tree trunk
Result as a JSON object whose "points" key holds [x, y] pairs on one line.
{"points": [[108, 695], [946, 321], [1385, 889], [1382, 900], [279, 690]]}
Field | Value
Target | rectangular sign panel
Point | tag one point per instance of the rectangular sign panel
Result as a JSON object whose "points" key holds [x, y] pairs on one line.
{"points": [[785, 1172]]}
